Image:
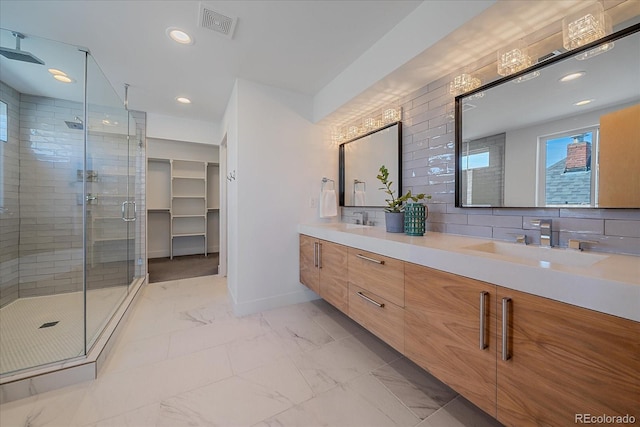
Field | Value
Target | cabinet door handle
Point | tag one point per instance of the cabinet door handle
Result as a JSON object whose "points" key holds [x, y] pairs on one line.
{"points": [[366, 298], [319, 255], [366, 258], [315, 254], [483, 303], [505, 328]]}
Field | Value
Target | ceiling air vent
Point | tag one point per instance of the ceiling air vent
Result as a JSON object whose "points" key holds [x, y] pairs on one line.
{"points": [[217, 22], [549, 55]]}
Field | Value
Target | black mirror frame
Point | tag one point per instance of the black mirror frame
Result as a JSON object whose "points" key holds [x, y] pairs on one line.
{"points": [[458, 100], [341, 160]]}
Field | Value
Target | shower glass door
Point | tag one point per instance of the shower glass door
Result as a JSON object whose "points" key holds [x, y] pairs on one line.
{"points": [[109, 211], [41, 205]]}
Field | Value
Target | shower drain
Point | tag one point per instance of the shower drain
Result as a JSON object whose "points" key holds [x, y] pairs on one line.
{"points": [[49, 324]]}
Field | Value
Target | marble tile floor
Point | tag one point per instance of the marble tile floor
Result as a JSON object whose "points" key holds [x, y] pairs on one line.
{"points": [[184, 359]]}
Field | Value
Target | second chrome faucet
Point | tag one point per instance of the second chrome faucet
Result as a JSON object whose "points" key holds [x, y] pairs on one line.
{"points": [[546, 232]]}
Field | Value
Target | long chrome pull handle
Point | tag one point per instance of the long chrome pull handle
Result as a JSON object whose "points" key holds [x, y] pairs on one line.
{"points": [[483, 303], [366, 298], [125, 218], [366, 258], [505, 328], [135, 211], [319, 255], [315, 254]]}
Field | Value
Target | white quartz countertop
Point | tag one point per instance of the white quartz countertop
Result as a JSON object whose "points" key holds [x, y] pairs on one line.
{"points": [[608, 283]]}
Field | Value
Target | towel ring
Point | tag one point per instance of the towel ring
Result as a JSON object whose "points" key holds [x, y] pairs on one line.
{"points": [[325, 180], [356, 182]]}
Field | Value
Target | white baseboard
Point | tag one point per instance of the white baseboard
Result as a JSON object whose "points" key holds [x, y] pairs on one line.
{"points": [[255, 306]]}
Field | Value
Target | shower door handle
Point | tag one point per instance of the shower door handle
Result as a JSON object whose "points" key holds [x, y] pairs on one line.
{"points": [[124, 212]]}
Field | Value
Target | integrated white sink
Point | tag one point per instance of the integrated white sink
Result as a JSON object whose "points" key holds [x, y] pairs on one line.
{"points": [[537, 253], [355, 226], [342, 226]]}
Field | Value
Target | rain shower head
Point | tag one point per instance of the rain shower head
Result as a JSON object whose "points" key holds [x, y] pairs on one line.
{"points": [[78, 124], [20, 55]]}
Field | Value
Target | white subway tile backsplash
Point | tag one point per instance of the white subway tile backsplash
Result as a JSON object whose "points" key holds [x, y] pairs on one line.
{"points": [[613, 227]]}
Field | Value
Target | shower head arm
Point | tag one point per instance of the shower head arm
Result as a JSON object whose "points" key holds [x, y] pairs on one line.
{"points": [[18, 36]]}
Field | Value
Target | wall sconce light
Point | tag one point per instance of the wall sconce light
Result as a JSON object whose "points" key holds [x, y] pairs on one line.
{"points": [[390, 115], [352, 132], [370, 124], [513, 58], [528, 76], [585, 26], [463, 83]]}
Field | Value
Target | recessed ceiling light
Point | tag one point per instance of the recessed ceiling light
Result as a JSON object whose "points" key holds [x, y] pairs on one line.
{"points": [[179, 36], [63, 78], [57, 72], [572, 76], [585, 102], [183, 100]]}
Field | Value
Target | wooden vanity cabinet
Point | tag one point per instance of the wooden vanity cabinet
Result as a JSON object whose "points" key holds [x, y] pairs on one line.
{"points": [[376, 295], [564, 360], [450, 330], [323, 269]]}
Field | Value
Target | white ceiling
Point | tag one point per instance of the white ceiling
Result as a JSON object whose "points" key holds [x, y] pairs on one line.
{"points": [[304, 46], [297, 45]]}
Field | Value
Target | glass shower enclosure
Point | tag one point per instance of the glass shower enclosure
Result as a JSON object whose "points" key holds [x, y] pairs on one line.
{"points": [[71, 186]]}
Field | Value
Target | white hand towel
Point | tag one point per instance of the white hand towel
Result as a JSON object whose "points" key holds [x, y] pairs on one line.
{"points": [[328, 204], [359, 198]]}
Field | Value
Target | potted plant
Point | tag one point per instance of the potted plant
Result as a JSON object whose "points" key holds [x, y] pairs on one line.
{"points": [[394, 212]]}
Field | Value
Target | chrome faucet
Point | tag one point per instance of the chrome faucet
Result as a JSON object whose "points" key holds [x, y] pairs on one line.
{"points": [[365, 217], [546, 235]]}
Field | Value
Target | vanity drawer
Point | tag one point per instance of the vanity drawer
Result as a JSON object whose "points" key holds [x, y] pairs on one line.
{"points": [[383, 318], [381, 275]]}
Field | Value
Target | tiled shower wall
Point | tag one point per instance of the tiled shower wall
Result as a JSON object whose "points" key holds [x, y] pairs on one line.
{"points": [[9, 200], [41, 251], [51, 253], [429, 167]]}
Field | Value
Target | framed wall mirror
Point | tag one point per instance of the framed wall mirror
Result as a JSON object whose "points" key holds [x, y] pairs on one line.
{"points": [[562, 133], [359, 163]]}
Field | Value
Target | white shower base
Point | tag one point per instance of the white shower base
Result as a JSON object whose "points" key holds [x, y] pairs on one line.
{"points": [[24, 344]]}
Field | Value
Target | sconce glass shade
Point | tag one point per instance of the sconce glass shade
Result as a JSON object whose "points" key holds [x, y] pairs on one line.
{"points": [[369, 124], [585, 26], [527, 77], [390, 115], [463, 83], [513, 58]]}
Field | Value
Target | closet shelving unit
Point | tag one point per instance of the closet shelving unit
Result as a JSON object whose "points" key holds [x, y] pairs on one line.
{"points": [[188, 202], [159, 207]]}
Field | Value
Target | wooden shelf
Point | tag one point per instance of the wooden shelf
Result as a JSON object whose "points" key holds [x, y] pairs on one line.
{"points": [[189, 216]]}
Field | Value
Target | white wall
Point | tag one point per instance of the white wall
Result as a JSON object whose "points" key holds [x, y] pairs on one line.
{"points": [[421, 29], [230, 227], [182, 150], [522, 148], [180, 129], [280, 158]]}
